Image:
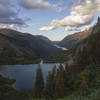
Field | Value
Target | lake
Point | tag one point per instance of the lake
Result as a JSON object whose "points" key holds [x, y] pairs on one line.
{"points": [[25, 74]]}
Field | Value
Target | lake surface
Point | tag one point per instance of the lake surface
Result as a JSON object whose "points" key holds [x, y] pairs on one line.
{"points": [[63, 48], [25, 74]]}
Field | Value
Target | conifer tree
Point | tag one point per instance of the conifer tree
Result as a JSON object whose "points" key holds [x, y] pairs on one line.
{"points": [[60, 83], [68, 80], [71, 74], [82, 83], [50, 84], [39, 83]]}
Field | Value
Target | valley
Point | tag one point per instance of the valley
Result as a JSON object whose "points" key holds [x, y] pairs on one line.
{"points": [[24, 48], [49, 49], [79, 78]]}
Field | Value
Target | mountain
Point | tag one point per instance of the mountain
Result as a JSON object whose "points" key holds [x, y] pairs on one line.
{"points": [[71, 40], [86, 49], [44, 39], [17, 47], [88, 52], [96, 28]]}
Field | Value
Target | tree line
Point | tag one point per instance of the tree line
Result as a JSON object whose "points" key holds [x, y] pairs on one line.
{"points": [[62, 82]]}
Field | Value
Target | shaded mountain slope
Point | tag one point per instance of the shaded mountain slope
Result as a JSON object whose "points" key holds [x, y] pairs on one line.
{"points": [[86, 51], [72, 40], [44, 39], [89, 51], [17, 47]]}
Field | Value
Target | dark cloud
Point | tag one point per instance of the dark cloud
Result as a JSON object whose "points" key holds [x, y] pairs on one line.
{"points": [[40, 4], [11, 21], [5, 13], [8, 15], [6, 9]]}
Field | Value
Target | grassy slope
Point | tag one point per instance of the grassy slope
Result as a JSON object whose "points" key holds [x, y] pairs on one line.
{"points": [[23, 48], [14, 50], [60, 57]]}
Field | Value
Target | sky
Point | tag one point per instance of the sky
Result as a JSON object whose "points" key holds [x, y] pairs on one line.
{"points": [[54, 19]]}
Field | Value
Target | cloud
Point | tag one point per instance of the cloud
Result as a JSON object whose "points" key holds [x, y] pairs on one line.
{"points": [[47, 28], [8, 16], [13, 26], [6, 9], [71, 29], [40, 4], [12, 21], [81, 14]]}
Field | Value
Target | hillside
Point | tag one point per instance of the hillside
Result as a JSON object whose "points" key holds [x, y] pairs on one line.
{"points": [[72, 40], [79, 80], [23, 48], [44, 39], [94, 36], [88, 52], [81, 77], [7, 92], [59, 57]]}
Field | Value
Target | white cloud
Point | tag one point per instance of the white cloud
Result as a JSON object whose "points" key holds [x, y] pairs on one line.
{"points": [[71, 29], [13, 26], [81, 14], [39, 4], [47, 28]]}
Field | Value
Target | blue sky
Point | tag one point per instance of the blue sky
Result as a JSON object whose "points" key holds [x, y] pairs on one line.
{"points": [[35, 16], [41, 18]]}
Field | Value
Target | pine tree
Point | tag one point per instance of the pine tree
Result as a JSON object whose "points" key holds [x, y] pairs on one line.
{"points": [[82, 83], [71, 72], [39, 83], [68, 79], [60, 83], [50, 84]]}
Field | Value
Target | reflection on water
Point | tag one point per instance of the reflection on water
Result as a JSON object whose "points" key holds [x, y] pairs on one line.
{"points": [[25, 74], [41, 62]]}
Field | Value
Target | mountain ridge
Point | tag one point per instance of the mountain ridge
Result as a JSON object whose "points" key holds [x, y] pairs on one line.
{"points": [[65, 55], [73, 39], [25, 48]]}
